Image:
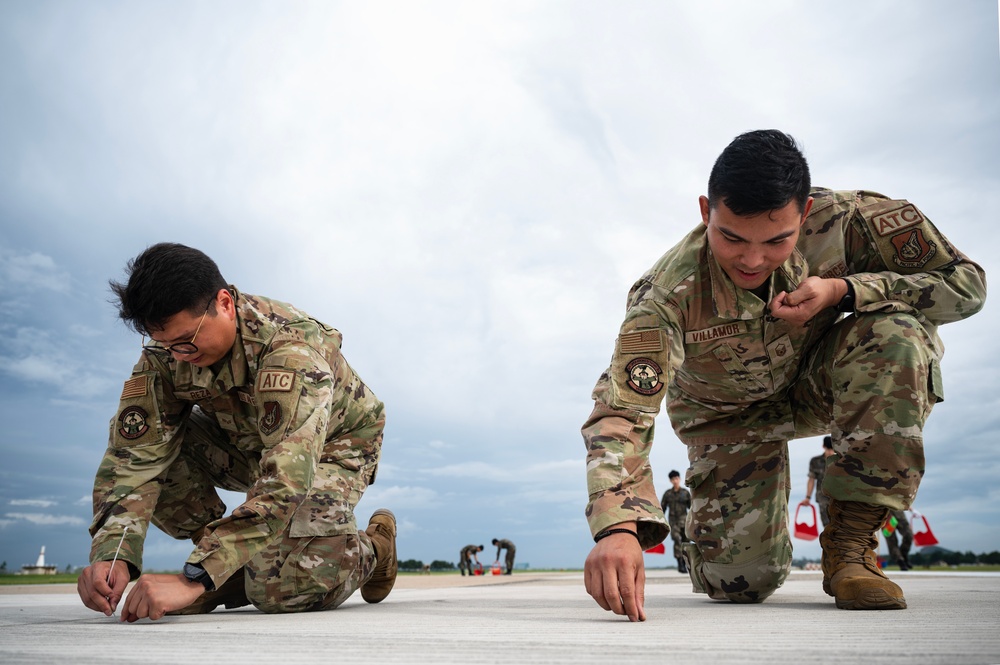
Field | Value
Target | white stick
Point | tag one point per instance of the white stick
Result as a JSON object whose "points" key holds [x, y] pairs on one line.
{"points": [[113, 563]]}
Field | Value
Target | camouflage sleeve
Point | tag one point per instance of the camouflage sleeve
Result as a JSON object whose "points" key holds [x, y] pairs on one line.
{"points": [[296, 389], [902, 263], [619, 432], [142, 444]]}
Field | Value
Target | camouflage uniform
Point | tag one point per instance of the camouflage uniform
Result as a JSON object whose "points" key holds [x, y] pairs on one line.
{"points": [[503, 543], [817, 470], [740, 383], [465, 558], [675, 505], [284, 419]]}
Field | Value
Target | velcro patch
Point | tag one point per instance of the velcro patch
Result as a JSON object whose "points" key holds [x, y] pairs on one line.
{"points": [[640, 341], [272, 418], [780, 351], [192, 395], [275, 380], [132, 422], [715, 332], [838, 270], [913, 249], [134, 387], [892, 221], [643, 376]]}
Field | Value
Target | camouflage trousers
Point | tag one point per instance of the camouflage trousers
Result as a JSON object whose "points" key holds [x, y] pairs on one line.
{"points": [[871, 383], [824, 507], [509, 558], [678, 533], [316, 563], [464, 563]]}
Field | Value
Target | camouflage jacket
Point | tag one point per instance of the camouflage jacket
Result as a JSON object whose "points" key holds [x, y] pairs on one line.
{"points": [[504, 544], [817, 469], [284, 395], [726, 362], [675, 504]]}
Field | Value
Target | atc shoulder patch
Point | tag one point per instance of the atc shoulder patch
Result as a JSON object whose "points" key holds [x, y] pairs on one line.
{"points": [[275, 380], [906, 240]]}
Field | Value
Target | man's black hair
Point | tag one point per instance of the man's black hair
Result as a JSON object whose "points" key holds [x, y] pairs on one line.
{"points": [[759, 171], [674, 474], [163, 280], [828, 442], [494, 541]]}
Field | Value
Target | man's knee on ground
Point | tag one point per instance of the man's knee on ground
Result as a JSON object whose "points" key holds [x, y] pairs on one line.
{"points": [[744, 582]]}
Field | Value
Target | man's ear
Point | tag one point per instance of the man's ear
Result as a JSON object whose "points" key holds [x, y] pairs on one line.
{"points": [[705, 209], [805, 211]]}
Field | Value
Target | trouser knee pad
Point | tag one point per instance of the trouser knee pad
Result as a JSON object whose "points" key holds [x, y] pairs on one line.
{"points": [[748, 582]]}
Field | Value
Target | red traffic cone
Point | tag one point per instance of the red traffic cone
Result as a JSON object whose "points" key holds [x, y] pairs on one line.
{"points": [[922, 534], [804, 529]]}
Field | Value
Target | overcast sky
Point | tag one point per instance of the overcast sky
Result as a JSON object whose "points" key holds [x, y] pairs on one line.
{"points": [[466, 191]]}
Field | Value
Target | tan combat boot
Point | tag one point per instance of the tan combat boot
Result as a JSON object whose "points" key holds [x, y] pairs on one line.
{"points": [[382, 530], [232, 594], [850, 565]]}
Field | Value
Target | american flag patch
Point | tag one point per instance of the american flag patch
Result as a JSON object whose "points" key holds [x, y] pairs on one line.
{"points": [[135, 387], [641, 341]]}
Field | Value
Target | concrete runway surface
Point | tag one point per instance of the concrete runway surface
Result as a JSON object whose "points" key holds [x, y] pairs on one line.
{"points": [[529, 618]]}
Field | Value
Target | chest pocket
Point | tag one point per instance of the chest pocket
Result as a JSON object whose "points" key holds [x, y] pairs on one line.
{"points": [[718, 375]]}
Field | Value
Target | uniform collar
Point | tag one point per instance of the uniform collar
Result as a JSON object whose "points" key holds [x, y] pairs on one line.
{"points": [[734, 303], [230, 372]]}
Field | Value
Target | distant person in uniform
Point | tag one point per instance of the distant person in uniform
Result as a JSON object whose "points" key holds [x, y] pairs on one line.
{"points": [[675, 504], [789, 312], [503, 543], [900, 552], [465, 557], [252, 395], [817, 469]]}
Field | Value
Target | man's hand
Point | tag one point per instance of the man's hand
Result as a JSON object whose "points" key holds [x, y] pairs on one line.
{"points": [[95, 590], [804, 502], [811, 297], [615, 575], [155, 595]]}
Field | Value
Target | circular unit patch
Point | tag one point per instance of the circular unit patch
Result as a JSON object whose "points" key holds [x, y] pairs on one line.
{"points": [[644, 376], [132, 421]]}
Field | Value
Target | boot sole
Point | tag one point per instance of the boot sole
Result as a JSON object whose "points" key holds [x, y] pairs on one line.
{"points": [[872, 599]]}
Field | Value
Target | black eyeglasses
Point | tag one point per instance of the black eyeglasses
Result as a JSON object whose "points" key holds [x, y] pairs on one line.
{"points": [[181, 348]]}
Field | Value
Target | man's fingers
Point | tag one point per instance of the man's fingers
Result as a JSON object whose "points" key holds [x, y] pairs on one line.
{"points": [[640, 585], [595, 587], [629, 599], [612, 595]]}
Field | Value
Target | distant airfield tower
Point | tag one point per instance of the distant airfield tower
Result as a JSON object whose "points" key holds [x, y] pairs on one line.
{"points": [[39, 568]]}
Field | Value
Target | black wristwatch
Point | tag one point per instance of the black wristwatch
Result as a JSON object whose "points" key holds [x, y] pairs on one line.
{"points": [[195, 573], [846, 303]]}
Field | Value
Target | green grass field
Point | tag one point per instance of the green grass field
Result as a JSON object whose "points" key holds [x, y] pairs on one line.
{"points": [[60, 578]]}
